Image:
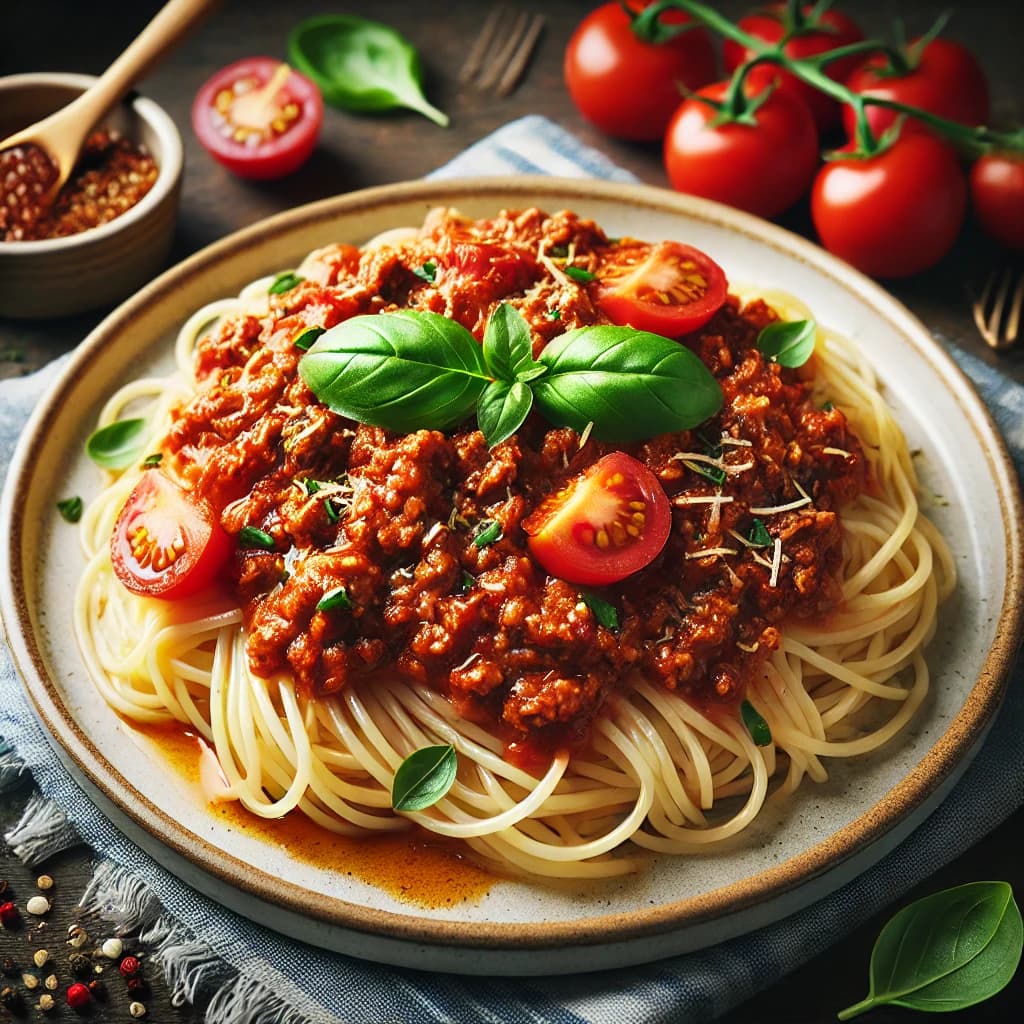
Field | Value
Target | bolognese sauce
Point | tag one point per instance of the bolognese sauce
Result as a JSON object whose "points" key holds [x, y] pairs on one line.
{"points": [[422, 534]]}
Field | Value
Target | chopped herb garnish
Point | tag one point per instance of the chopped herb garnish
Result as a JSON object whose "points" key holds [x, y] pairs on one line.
{"points": [[251, 537], [305, 340], [428, 272], [12, 355], [579, 274], [713, 473], [468, 583], [606, 614], [827, 407], [70, 509], [759, 535], [332, 512], [713, 449], [336, 598], [487, 533], [153, 460], [554, 314], [756, 725], [311, 485], [558, 252], [284, 283]]}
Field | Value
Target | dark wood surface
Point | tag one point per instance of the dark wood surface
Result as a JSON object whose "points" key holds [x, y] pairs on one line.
{"points": [[355, 152]]}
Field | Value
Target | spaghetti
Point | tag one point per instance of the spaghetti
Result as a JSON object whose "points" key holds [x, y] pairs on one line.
{"points": [[664, 767]]}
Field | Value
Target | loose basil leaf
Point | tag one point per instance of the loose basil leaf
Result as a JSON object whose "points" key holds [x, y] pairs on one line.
{"points": [[632, 384], [579, 274], [117, 445], [305, 340], [424, 777], [284, 283], [788, 342], [488, 532], [70, 509], [758, 728], [946, 951], [605, 614], [759, 535], [360, 65], [336, 598], [405, 371], [252, 537], [508, 345], [502, 409], [428, 271]]}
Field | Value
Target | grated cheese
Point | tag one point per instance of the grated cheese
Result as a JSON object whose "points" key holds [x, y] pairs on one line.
{"points": [[739, 442], [836, 451], [549, 265], [710, 552], [776, 564], [773, 509], [702, 499], [585, 436]]}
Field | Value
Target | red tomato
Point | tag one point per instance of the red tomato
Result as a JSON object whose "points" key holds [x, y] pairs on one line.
{"points": [[505, 269], [894, 214], [605, 525], [627, 87], [258, 118], [769, 25], [668, 288], [167, 543], [997, 191], [946, 80], [762, 169]]}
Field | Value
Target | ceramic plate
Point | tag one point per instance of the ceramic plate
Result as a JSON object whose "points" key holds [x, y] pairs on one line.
{"points": [[794, 854]]}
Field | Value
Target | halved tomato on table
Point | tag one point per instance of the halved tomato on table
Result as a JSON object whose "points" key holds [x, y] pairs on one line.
{"points": [[258, 117], [167, 543], [605, 525], [668, 289]]}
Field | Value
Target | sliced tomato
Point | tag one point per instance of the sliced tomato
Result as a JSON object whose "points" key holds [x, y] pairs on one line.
{"points": [[258, 117], [605, 525], [668, 288], [166, 542]]}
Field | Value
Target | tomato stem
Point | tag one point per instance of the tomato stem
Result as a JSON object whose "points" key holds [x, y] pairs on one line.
{"points": [[647, 25]]}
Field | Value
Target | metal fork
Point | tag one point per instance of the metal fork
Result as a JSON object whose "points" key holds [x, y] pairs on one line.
{"points": [[997, 310], [502, 50]]}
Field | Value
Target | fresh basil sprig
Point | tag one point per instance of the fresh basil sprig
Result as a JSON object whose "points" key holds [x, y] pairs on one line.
{"points": [[118, 444], [946, 951], [413, 370], [788, 342], [424, 777]]}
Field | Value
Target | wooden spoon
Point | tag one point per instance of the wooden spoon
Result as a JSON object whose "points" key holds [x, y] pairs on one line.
{"points": [[62, 134]]}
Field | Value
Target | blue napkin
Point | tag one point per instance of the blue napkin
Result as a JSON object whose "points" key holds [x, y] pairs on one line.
{"points": [[256, 975]]}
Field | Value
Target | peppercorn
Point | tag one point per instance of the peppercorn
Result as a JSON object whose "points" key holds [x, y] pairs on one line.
{"points": [[81, 965], [136, 1010], [98, 990], [10, 967], [77, 936], [112, 948], [38, 906], [129, 965], [78, 996], [46, 1002], [137, 986], [11, 1000], [10, 916], [40, 957]]}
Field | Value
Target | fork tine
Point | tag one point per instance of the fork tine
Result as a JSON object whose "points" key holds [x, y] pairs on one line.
{"points": [[979, 308], [502, 58], [1013, 322], [483, 43], [514, 71]]}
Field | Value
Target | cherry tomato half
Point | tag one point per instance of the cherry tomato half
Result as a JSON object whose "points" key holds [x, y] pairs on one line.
{"points": [[605, 525], [668, 288], [997, 191], [831, 30], [946, 80], [894, 214], [258, 117], [626, 86], [166, 543], [763, 168]]}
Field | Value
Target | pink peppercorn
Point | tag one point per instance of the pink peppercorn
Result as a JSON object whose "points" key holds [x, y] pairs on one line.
{"points": [[10, 916], [78, 996], [129, 966]]}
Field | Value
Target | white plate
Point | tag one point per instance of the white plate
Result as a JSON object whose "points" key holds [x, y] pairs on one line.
{"points": [[792, 856]]}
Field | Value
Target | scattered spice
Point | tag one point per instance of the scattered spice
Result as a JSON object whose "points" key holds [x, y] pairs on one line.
{"points": [[77, 936], [9, 916], [38, 906], [51, 982], [98, 990], [78, 996], [81, 966], [136, 1009], [129, 965], [45, 882], [40, 957], [11, 1000], [30, 981], [112, 948], [10, 967], [46, 1002], [137, 986]]}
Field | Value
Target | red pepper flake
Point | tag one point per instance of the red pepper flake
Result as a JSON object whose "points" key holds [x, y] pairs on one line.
{"points": [[78, 996], [129, 966], [10, 916]]}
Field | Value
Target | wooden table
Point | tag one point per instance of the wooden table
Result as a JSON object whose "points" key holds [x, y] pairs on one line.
{"points": [[355, 152]]}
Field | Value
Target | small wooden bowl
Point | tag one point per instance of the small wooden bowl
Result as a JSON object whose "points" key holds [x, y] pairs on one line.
{"points": [[59, 276]]}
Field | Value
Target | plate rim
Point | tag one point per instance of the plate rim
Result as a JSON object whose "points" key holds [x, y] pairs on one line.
{"points": [[941, 760]]}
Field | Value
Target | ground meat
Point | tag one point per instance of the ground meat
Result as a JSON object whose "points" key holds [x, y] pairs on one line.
{"points": [[422, 532]]}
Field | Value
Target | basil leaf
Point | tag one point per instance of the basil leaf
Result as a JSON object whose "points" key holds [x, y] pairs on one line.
{"points": [[605, 614], [404, 371], [632, 384], [758, 728], [946, 951], [360, 65], [502, 409], [284, 283], [336, 598], [305, 340], [508, 345], [252, 537], [70, 509], [424, 777], [117, 445], [428, 272], [759, 535], [788, 343], [579, 274], [468, 583], [153, 460], [713, 473], [554, 313]]}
